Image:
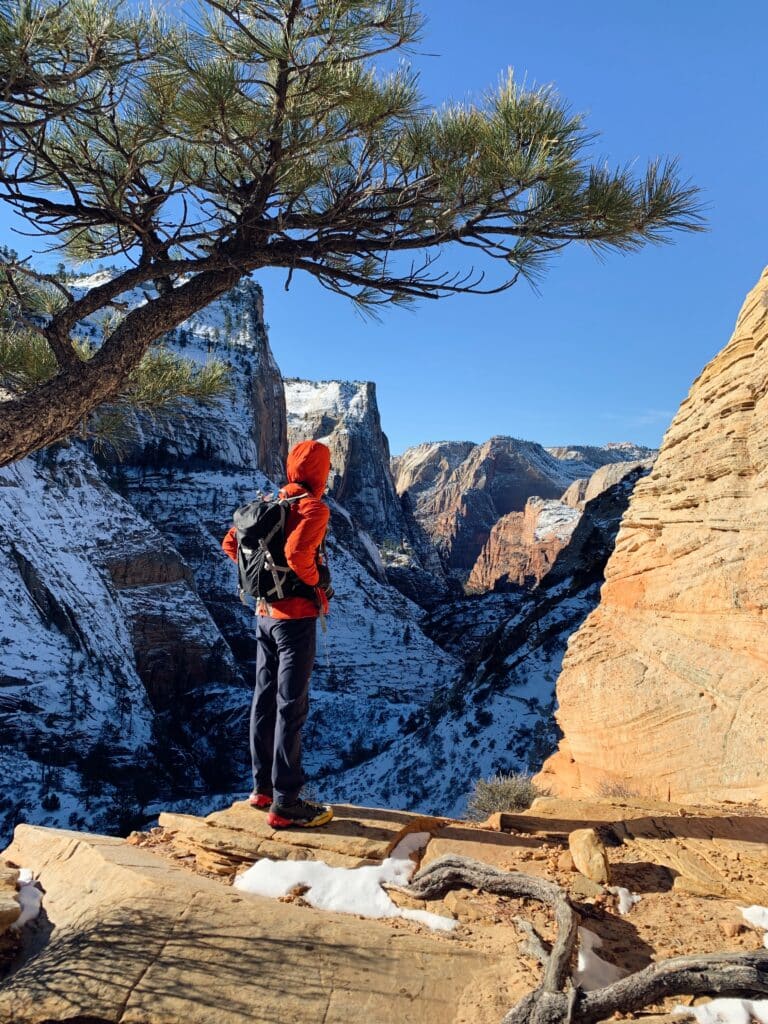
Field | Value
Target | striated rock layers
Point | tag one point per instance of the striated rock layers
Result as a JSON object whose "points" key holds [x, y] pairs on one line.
{"points": [[459, 490], [664, 689], [522, 546]]}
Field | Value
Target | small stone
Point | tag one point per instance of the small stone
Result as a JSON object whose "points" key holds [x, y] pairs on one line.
{"points": [[731, 928], [10, 911], [582, 886], [565, 861], [589, 854]]}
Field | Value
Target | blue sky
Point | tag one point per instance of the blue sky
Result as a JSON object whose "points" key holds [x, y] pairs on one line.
{"points": [[606, 350]]}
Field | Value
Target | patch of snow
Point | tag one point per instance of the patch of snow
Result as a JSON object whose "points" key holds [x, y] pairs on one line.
{"points": [[592, 972], [755, 915], [727, 1011], [372, 550], [30, 897], [627, 899], [345, 890], [556, 519], [758, 917]]}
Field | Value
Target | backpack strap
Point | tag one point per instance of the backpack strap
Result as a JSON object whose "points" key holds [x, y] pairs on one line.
{"points": [[279, 572]]}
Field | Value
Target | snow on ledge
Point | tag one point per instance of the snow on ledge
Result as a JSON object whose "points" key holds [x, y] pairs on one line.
{"points": [[727, 1011], [592, 972], [345, 890], [30, 897]]}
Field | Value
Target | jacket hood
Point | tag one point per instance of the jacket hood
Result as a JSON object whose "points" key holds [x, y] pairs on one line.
{"points": [[309, 463]]}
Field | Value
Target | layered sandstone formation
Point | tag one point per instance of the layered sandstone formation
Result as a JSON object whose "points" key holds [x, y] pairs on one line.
{"points": [[136, 932], [582, 491], [459, 491], [150, 930], [523, 546], [664, 689]]}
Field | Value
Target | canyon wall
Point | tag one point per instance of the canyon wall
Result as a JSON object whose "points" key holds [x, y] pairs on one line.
{"points": [[664, 689], [460, 490]]}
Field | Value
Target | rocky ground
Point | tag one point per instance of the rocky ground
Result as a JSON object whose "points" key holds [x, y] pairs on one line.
{"points": [[174, 940]]}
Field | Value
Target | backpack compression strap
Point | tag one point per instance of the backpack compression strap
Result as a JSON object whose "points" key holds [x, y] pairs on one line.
{"points": [[279, 572]]}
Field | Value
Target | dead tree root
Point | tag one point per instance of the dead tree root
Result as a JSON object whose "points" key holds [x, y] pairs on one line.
{"points": [[556, 1000]]}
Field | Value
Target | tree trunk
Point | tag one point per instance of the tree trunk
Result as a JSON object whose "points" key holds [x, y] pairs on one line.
{"points": [[54, 410]]}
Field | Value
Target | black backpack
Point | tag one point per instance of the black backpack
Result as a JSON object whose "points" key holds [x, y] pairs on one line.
{"points": [[261, 559]]}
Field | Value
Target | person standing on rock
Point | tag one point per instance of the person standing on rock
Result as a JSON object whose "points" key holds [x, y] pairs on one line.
{"points": [[285, 644]]}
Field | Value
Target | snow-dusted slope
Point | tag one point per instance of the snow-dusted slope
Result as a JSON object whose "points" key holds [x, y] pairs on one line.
{"points": [[499, 715], [366, 676], [85, 587]]}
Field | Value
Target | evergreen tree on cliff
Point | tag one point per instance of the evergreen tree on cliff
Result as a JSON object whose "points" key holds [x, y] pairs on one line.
{"points": [[259, 133]]}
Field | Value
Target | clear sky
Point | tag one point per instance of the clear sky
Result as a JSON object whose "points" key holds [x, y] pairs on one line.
{"points": [[607, 350]]}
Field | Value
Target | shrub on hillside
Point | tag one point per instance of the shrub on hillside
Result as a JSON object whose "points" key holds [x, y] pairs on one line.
{"points": [[501, 792]]}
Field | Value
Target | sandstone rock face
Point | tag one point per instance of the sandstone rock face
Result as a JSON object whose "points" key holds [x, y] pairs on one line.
{"points": [[582, 491], [707, 850], [249, 427], [522, 546], [10, 908], [664, 688], [130, 937], [459, 490]]}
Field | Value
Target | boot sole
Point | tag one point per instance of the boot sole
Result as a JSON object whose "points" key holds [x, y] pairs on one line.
{"points": [[278, 822]]}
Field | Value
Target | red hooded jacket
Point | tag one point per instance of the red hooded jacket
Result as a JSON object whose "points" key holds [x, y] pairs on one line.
{"points": [[307, 468]]}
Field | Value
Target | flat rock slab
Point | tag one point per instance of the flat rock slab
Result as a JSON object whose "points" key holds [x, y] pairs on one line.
{"points": [[711, 851], [128, 938], [356, 835], [496, 848]]}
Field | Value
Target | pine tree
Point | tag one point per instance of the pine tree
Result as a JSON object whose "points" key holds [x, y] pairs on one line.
{"points": [[262, 133]]}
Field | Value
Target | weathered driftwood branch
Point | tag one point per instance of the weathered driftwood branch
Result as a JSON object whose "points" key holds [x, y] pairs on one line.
{"points": [[533, 945], [556, 1000]]}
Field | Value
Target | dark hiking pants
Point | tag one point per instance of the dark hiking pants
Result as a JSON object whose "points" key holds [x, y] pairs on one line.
{"points": [[285, 654]]}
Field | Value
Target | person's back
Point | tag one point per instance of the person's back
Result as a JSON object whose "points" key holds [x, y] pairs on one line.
{"points": [[285, 645]]}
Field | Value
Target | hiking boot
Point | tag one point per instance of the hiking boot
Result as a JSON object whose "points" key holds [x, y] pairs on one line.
{"points": [[261, 801], [302, 813]]}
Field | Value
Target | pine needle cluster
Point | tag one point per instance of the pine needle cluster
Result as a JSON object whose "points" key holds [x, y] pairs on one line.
{"points": [[264, 133]]}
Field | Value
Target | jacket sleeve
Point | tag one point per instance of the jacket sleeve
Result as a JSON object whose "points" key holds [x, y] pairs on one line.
{"points": [[229, 544], [304, 540]]}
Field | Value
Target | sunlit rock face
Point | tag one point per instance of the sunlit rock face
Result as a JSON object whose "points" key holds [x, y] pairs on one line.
{"points": [[664, 689], [460, 490]]}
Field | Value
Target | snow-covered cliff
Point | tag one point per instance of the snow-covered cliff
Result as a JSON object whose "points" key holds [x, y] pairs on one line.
{"points": [[103, 643]]}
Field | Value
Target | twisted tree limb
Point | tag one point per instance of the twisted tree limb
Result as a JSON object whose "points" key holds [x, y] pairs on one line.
{"points": [[556, 1000]]}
